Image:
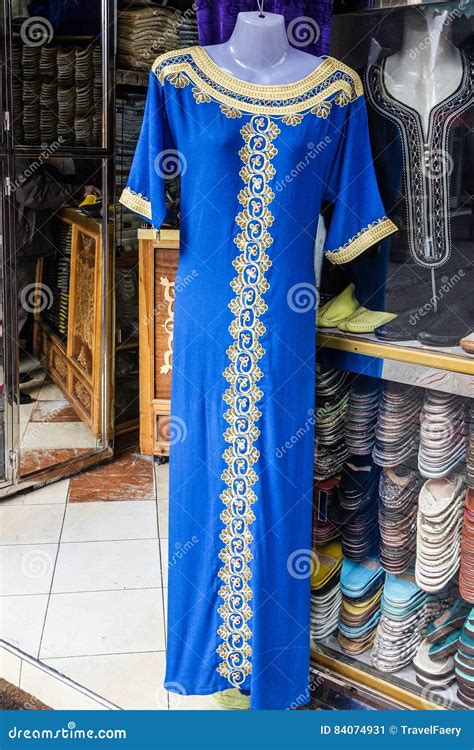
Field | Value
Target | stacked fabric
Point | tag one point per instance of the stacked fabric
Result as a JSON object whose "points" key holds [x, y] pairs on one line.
{"points": [[470, 449], [397, 431], [439, 524], [466, 575], [443, 434], [187, 31], [60, 94], [361, 587], [326, 591], [332, 396], [143, 32], [31, 94], [323, 498], [464, 662], [398, 507], [356, 509], [401, 625], [17, 89], [361, 418]]}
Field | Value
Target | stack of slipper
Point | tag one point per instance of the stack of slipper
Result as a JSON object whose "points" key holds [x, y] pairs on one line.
{"points": [[361, 417], [443, 435], [464, 662], [356, 510], [434, 664], [332, 396], [401, 625], [361, 586], [326, 591], [435, 673], [470, 450], [345, 312], [439, 602], [397, 431], [466, 575], [398, 507], [439, 524], [323, 498]]}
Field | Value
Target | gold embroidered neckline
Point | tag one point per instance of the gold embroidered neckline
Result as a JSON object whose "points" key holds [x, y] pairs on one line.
{"points": [[205, 62], [331, 80]]}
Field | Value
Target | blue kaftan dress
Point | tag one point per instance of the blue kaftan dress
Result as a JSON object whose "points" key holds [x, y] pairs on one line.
{"points": [[256, 164]]}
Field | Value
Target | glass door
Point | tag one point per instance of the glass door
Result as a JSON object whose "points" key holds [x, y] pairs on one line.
{"points": [[58, 247]]}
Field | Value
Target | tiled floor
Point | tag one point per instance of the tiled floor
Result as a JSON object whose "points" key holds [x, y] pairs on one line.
{"points": [[51, 431], [83, 581]]}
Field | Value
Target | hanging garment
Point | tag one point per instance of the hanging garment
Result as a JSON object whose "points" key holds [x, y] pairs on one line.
{"points": [[256, 162], [308, 23], [426, 185]]}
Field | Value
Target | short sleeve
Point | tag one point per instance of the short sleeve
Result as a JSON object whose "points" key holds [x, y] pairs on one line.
{"points": [[145, 190], [358, 219]]}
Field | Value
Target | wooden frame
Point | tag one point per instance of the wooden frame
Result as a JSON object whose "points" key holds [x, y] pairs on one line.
{"points": [[76, 365], [158, 263]]}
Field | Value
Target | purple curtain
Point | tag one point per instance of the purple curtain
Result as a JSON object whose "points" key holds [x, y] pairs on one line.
{"points": [[308, 21]]}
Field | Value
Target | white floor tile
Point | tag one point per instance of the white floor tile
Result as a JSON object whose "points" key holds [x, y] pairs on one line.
{"points": [[52, 493], [162, 496], [26, 568], [32, 524], [10, 666], [164, 561], [101, 566], [43, 435], [48, 391], [21, 621], [25, 412], [53, 692], [131, 681], [109, 622], [134, 519]]}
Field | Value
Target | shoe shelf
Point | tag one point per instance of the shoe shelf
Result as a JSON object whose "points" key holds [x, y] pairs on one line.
{"points": [[449, 370], [401, 688]]}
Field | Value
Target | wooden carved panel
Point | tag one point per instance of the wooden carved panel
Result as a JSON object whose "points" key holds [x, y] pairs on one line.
{"points": [[166, 262], [83, 301]]}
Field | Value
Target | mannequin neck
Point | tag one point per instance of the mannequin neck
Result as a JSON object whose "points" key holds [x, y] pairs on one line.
{"points": [[431, 28], [258, 42]]}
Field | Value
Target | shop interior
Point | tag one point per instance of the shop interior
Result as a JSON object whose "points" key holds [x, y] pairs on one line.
{"points": [[87, 292]]}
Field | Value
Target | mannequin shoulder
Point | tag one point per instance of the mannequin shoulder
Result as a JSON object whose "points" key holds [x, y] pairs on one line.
{"points": [[349, 74]]}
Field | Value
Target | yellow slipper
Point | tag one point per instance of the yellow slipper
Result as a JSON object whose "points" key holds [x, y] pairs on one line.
{"points": [[329, 561], [232, 700], [365, 321], [337, 309]]}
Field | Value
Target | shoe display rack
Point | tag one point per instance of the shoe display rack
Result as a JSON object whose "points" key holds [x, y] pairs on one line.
{"points": [[68, 324]]}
